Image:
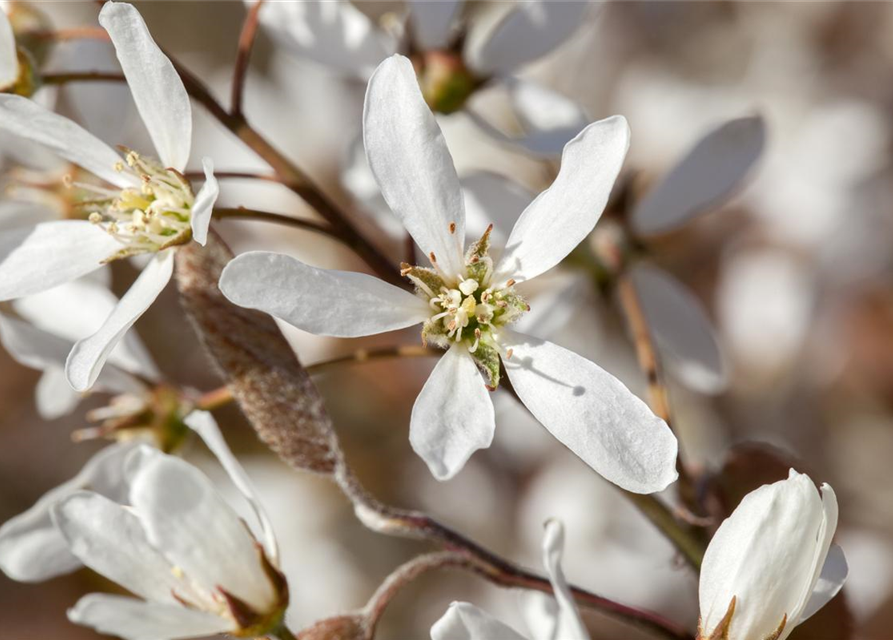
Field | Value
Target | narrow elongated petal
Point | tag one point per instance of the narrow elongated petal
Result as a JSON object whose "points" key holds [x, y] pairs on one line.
{"points": [[569, 624], [27, 119], [492, 199], [34, 259], [158, 92], [31, 547], [198, 531], [550, 119], [334, 33], [204, 203], [44, 351], [681, 329], [110, 539], [77, 309], [464, 621], [453, 416], [764, 555], [53, 395], [204, 425], [530, 31], [833, 575], [327, 303], [708, 173], [9, 59], [593, 414], [565, 213], [133, 619], [432, 22], [410, 160], [89, 355]]}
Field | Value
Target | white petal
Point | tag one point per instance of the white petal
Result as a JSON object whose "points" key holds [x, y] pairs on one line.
{"points": [[22, 213], [531, 30], [53, 395], [327, 303], [593, 414], [464, 621], [9, 59], [432, 22], [708, 173], [204, 425], [110, 539], [197, 530], [31, 547], [492, 199], [569, 624], [334, 33], [453, 416], [411, 162], [34, 259], [550, 119], [565, 213], [763, 554], [77, 309], [89, 355], [133, 619], [833, 575], [26, 118], [39, 349], [157, 90], [681, 329], [204, 203]]}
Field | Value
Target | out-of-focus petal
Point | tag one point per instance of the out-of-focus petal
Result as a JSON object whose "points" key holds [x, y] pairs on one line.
{"points": [[133, 619], [492, 199], [708, 173], [565, 213], [681, 329], [569, 625], [412, 165], [53, 395], [527, 32], [453, 416], [464, 621], [334, 33], [9, 59], [89, 355], [157, 90], [833, 575], [432, 21], [204, 203], [343, 304], [22, 117], [593, 414]]}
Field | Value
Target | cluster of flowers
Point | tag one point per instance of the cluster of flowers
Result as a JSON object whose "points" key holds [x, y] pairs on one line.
{"points": [[155, 525]]}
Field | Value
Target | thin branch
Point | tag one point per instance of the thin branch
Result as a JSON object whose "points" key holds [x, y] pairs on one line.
{"points": [[75, 33], [243, 56], [237, 175], [413, 524], [278, 218], [81, 76], [370, 355]]}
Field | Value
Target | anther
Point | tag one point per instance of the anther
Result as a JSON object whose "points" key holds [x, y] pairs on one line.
{"points": [[432, 257], [508, 354], [452, 228], [510, 283]]}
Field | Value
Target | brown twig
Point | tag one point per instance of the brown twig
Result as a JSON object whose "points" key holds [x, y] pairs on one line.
{"points": [[369, 355], [237, 175], [81, 76], [243, 56], [278, 218], [74, 33]]}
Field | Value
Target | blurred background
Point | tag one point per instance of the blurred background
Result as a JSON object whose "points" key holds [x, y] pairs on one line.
{"points": [[794, 271]]}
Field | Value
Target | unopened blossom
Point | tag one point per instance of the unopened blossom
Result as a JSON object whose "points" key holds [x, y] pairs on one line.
{"points": [[547, 618], [771, 564], [467, 299], [144, 205]]}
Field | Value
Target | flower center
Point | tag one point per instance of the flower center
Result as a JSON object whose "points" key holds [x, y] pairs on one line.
{"points": [[145, 219], [470, 310]]}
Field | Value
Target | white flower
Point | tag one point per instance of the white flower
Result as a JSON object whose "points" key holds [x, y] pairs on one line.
{"points": [[548, 618], [771, 564], [9, 55], [585, 407], [155, 525], [149, 208], [56, 319]]}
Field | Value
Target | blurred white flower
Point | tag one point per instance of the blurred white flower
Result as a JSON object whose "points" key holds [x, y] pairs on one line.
{"points": [[150, 209], [47, 326], [548, 618], [771, 564], [465, 302], [9, 56]]}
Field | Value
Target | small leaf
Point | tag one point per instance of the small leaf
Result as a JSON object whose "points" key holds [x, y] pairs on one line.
{"points": [[264, 375]]}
